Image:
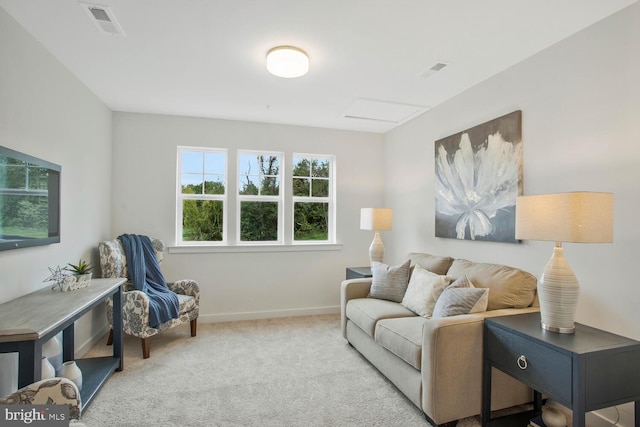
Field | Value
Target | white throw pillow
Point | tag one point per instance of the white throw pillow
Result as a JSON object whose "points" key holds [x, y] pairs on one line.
{"points": [[423, 291]]}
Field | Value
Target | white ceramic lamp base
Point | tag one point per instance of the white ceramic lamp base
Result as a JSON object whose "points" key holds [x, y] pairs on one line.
{"points": [[558, 291], [376, 250]]}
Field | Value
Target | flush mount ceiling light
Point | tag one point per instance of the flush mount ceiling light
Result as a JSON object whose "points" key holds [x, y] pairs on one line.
{"points": [[287, 62]]}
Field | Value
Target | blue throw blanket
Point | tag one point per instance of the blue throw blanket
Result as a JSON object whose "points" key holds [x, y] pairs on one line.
{"points": [[145, 274]]}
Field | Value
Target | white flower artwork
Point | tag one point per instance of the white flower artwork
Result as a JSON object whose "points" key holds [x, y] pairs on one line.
{"points": [[478, 177]]}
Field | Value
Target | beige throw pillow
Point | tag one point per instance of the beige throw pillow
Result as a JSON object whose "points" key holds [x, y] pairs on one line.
{"points": [[389, 282], [423, 291]]}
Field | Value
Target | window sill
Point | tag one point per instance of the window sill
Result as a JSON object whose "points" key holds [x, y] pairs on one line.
{"points": [[311, 247]]}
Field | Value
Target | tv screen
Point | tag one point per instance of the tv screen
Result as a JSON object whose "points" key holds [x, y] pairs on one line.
{"points": [[29, 200]]}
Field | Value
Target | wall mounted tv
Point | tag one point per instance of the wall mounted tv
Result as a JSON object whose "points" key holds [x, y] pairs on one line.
{"points": [[29, 201]]}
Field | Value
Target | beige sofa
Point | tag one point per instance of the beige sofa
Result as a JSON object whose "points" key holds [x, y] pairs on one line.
{"points": [[437, 363]]}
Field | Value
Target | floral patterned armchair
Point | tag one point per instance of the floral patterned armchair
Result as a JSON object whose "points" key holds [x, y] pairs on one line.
{"points": [[52, 391], [135, 304]]}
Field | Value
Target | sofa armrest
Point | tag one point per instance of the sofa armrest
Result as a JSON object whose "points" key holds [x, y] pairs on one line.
{"points": [[452, 365], [56, 391], [352, 289]]}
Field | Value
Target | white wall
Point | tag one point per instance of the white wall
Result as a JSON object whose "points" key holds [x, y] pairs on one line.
{"points": [[580, 102], [46, 112], [244, 285]]}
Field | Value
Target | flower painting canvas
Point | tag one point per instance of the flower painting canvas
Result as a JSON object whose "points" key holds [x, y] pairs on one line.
{"points": [[478, 177]]}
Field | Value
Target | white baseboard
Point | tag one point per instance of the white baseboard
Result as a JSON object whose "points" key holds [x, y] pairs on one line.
{"points": [[256, 315]]}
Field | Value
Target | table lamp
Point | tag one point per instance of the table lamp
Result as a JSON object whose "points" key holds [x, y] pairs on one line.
{"points": [[376, 219], [578, 217]]}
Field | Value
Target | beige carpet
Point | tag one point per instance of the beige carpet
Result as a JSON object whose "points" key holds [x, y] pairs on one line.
{"points": [[275, 372]]}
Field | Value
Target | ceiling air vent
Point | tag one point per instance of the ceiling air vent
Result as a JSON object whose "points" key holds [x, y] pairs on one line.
{"points": [[433, 69], [104, 19]]}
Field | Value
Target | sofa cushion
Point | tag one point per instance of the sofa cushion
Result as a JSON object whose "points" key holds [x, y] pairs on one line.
{"points": [[365, 312], [510, 287], [461, 297], [423, 291], [402, 337], [435, 264], [389, 282]]}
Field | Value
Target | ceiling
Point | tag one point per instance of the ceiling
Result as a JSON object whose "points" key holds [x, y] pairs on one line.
{"points": [[368, 58]]}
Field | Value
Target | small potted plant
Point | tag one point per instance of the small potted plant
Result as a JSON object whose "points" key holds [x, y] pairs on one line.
{"points": [[81, 272]]}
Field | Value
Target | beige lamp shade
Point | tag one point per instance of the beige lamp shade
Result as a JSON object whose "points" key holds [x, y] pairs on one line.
{"points": [[377, 219], [578, 217]]}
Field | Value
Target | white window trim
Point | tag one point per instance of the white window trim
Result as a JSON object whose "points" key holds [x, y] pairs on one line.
{"points": [[180, 197], [310, 247], [231, 200]]}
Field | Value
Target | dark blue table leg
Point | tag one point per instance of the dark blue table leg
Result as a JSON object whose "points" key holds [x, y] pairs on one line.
{"points": [[486, 392], [29, 362], [68, 343], [117, 328]]}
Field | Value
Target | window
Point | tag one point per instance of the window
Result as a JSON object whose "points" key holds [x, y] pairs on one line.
{"points": [[312, 198], [201, 195], [259, 197], [275, 199]]}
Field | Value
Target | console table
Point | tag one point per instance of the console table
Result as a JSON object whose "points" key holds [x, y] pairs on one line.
{"points": [[588, 370], [29, 321]]}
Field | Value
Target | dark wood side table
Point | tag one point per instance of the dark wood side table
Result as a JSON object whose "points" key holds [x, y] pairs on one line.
{"points": [[358, 272], [585, 371]]}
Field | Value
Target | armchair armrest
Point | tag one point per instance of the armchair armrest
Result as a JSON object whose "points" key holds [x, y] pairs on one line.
{"points": [[452, 365], [186, 287], [57, 391], [352, 289]]}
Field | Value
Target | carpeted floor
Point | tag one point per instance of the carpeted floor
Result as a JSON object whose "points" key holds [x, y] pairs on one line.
{"points": [[275, 372]]}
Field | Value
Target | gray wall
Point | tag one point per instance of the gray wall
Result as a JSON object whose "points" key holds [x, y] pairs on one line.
{"points": [[46, 112]]}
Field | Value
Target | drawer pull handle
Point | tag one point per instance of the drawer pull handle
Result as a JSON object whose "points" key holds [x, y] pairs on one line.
{"points": [[522, 362]]}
